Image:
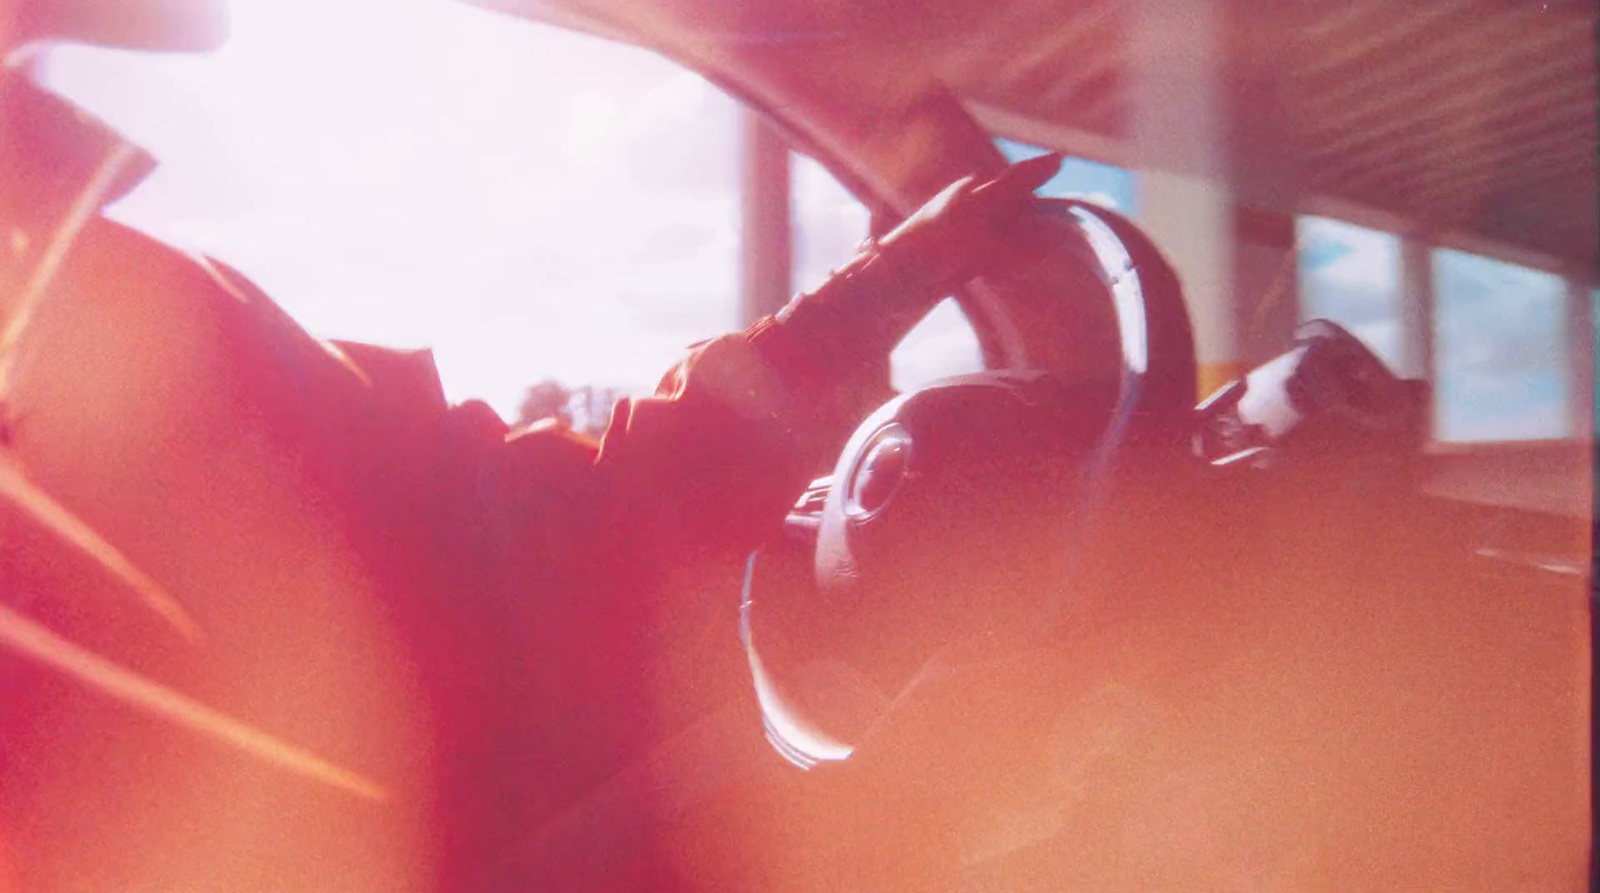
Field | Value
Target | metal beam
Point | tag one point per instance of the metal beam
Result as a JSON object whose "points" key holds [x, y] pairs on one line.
{"points": [[1580, 359], [1416, 310]]}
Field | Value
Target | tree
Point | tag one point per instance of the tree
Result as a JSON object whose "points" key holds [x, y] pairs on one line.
{"points": [[548, 399]]}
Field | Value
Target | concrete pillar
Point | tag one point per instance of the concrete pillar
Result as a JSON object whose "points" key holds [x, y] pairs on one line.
{"points": [[1581, 407], [1417, 335], [1266, 283], [1179, 145], [1208, 99], [1416, 307], [1191, 222], [764, 230]]}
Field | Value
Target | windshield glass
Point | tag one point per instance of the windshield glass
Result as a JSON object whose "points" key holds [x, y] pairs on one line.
{"points": [[530, 202]]}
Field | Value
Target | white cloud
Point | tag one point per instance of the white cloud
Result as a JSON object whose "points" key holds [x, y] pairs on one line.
{"points": [[1358, 258]]}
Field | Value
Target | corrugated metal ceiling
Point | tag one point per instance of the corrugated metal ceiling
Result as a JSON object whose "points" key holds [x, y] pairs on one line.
{"points": [[1474, 117], [1471, 116]]}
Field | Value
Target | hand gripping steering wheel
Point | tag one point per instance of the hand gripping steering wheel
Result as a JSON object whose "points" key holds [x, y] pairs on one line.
{"points": [[956, 513]]}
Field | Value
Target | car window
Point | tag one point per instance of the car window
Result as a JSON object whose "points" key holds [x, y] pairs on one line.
{"points": [[1500, 350], [532, 203], [1351, 275]]}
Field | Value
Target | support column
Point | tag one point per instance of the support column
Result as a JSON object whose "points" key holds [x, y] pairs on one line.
{"points": [[1207, 100], [764, 228], [1266, 283], [1179, 146], [1191, 220], [1581, 406], [1416, 307]]}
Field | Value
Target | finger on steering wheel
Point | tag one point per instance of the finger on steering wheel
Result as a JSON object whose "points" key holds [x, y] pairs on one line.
{"points": [[967, 229], [1014, 186]]}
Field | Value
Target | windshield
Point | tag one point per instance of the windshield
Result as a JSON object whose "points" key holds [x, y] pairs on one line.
{"points": [[530, 202], [272, 616]]}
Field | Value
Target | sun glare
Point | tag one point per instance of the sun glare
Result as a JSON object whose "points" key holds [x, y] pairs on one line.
{"points": [[529, 202]]}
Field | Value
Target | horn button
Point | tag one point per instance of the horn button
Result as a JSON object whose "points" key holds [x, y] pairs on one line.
{"points": [[885, 463]]}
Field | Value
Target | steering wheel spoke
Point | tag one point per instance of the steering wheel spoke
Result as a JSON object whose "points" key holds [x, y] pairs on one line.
{"points": [[805, 518]]}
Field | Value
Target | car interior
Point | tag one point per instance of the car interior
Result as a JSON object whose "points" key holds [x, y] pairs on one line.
{"points": [[1234, 609]]}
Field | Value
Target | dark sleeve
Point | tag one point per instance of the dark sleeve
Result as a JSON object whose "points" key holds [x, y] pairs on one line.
{"points": [[711, 462], [715, 458], [732, 436]]}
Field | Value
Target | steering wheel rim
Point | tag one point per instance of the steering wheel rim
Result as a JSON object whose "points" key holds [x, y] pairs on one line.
{"points": [[1154, 398], [1151, 314]]}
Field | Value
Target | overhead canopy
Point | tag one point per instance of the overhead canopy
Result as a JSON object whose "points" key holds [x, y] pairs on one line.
{"points": [[1474, 117]]}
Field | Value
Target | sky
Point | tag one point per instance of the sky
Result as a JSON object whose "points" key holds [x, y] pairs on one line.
{"points": [[1500, 349], [1103, 184]]}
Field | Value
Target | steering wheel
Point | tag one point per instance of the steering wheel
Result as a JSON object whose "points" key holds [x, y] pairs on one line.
{"points": [[877, 574]]}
